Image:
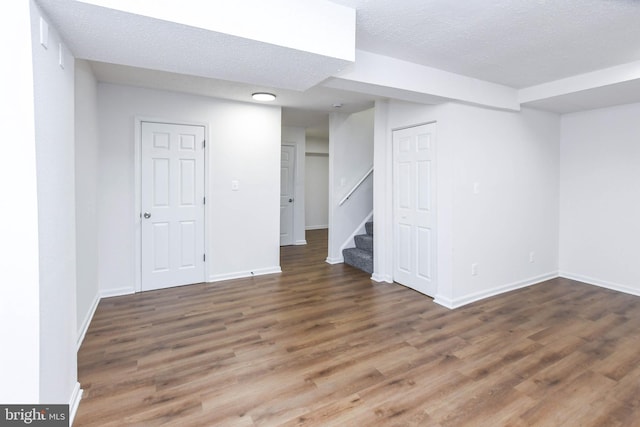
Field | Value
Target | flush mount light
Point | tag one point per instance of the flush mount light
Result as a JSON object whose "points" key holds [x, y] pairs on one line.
{"points": [[263, 96]]}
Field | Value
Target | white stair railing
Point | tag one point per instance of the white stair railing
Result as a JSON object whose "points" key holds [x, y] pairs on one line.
{"points": [[355, 187]]}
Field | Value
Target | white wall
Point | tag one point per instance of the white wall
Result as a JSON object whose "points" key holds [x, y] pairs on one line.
{"points": [[86, 170], [296, 136], [599, 203], [19, 275], [243, 144], [350, 157], [54, 132], [317, 184], [514, 158], [317, 191], [317, 145]]}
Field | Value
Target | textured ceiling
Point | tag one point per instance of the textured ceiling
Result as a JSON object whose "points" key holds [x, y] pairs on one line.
{"points": [[306, 109], [517, 43], [101, 34]]}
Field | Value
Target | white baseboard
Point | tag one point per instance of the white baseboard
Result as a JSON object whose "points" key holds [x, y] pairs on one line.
{"points": [[74, 402], [244, 274], [87, 321], [336, 260], [316, 227], [468, 299], [381, 278], [601, 283], [444, 301], [116, 292], [300, 242]]}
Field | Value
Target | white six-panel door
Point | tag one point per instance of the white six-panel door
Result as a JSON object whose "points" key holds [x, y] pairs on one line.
{"points": [[414, 239], [287, 192], [172, 202]]}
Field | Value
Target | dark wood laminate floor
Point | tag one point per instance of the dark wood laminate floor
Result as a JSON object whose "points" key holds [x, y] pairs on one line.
{"points": [[322, 345]]}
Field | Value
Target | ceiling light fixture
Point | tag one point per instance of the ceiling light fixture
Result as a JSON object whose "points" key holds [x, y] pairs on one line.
{"points": [[263, 96]]}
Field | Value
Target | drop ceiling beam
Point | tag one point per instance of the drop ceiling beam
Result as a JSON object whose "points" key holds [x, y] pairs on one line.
{"points": [[412, 82]]}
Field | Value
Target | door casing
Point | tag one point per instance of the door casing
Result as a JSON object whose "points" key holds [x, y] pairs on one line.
{"points": [[291, 206]]}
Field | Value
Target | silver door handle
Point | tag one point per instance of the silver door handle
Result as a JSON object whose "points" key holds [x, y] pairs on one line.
{"points": [[147, 215]]}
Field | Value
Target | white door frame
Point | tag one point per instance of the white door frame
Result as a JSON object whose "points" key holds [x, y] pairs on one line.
{"points": [[390, 201], [137, 165], [299, 189], [293, 188]]}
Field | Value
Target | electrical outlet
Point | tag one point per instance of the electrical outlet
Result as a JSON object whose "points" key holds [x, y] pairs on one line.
{"points": [[474, 269], [532, 256]]}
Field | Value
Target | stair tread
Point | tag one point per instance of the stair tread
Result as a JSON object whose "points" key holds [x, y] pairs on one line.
{"points": [[362, 255], [359, 258], [359, 252], [364, 241], [364, 236]]}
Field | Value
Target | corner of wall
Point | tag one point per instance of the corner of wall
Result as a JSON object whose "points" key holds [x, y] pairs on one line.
{"points": [[601, 283], [74, 402], [86, 322]]}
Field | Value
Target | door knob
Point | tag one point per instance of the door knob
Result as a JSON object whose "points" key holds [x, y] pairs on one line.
{"points": [[290, 200], [147, 215]]}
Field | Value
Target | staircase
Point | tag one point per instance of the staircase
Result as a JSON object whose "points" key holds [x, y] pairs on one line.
{"points": [[362, 255]]}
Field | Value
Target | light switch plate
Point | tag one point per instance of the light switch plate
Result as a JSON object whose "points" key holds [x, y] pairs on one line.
{"points": [[235, 185]]}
